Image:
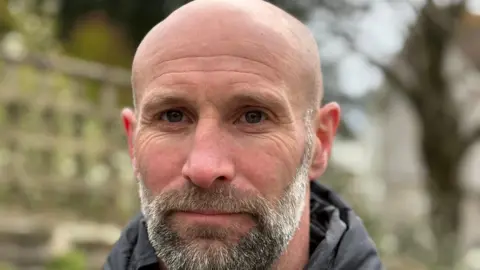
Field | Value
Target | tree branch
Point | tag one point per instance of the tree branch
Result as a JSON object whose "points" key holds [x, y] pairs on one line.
{"points": [[390, 72]]}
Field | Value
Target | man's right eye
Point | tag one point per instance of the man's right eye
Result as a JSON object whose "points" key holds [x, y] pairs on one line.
{"points": [[172, 116]]}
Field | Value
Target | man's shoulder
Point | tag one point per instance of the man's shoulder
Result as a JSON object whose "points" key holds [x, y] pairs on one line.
{"points": [[345, 243], [132, 250], [356, 249]]}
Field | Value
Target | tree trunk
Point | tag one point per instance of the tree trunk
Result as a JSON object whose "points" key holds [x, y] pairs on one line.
{"points": [[445, 211], [442, 157], [425, 51]]}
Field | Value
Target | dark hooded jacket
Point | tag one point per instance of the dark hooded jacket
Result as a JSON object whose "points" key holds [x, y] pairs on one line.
{"points": [[338, 239]]}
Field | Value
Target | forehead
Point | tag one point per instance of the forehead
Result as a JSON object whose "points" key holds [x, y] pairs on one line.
{"points": [[224, 41]]}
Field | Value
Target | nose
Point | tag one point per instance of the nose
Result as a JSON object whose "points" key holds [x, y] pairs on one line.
{"points": [[209, 160]]}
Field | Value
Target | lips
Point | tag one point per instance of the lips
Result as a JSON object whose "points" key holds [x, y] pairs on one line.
{"points": [[210, 212]]}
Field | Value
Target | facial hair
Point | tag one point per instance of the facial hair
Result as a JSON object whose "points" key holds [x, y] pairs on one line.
{"points": [[260, 248]]}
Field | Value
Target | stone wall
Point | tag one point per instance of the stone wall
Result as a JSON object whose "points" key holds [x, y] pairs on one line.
{"points": [[61, 140], [32, 242], [63, 159]]}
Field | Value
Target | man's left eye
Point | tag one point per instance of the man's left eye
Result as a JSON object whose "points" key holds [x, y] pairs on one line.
{"points": [[253, 117]]}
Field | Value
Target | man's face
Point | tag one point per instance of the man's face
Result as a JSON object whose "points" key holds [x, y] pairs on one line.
{"points": [[222, 164], [222, 150]]}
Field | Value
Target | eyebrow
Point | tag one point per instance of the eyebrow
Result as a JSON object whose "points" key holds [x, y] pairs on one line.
{"points": [[275, 102], [165, 97], [152, 103]]}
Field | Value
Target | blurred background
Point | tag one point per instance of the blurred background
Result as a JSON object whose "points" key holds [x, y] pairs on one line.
{"points": [[406, 73]]}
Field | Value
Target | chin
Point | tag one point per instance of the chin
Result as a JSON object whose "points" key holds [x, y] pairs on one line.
{"points": [[212, 234]]}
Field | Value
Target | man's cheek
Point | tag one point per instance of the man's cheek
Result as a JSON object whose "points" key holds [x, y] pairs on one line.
{"points": [[160, 165], [265, 171]]}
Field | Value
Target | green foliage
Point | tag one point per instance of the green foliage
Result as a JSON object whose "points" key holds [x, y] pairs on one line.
{"points": [[6, 266], [6, 20], [74, 260], [36, 28], [97, 39], [136, 18]]}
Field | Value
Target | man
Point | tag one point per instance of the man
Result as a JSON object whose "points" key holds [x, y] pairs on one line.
{"points": [[226, 140]]}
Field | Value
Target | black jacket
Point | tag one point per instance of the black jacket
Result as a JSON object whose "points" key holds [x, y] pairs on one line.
{"points": [[338, 240]]}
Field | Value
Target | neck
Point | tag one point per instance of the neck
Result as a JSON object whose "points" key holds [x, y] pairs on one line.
{"points": [[296, 255]]}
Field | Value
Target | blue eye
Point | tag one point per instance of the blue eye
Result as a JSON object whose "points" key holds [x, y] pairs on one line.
{"points": [[253, 117], [173, 116]]}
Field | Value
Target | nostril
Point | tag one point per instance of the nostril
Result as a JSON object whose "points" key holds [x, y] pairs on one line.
{"points": [[187, 178], [222, 178]]}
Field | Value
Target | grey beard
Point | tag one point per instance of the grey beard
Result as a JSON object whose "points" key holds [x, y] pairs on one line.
{"points": [[260, 248]]}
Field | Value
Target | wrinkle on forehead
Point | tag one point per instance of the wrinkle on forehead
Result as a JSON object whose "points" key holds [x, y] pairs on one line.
{"points": [[251, 29]]}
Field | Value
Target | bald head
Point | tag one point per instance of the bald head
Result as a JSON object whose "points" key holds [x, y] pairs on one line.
{"points": [[225, 90], [247, 28]]}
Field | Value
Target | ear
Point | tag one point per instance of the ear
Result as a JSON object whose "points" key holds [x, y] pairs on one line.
{"points": [[129, 124], [325, 124]]}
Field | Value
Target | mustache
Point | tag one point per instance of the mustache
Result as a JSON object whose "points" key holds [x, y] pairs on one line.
{"points": [[221, 198]]}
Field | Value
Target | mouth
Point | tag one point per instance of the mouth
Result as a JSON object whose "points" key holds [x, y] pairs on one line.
{"points": [[211, 217], [210, 212]]}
